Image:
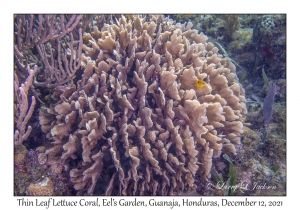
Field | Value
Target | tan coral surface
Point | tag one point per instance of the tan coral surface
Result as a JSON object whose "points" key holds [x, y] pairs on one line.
{"points": [[136, 123], [43, 188]]}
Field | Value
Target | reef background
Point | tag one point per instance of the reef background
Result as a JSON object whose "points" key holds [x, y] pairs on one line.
{"points": [[254, 42]]}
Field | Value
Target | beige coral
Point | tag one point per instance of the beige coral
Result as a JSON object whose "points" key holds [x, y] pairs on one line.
{"points": [[20, 154], [22, 112], [44, 187], [136, 123]]}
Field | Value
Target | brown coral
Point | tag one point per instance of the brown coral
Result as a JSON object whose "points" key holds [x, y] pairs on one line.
{"points": [[20, 154], [136, 124], [43, 188]]}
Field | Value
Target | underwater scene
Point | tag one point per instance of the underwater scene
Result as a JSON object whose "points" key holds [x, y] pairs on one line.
{"points": [[147, 104]]}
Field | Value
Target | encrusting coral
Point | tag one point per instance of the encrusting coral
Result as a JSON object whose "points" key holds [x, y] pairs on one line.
{"points": [[136, 123], [43, 188]]}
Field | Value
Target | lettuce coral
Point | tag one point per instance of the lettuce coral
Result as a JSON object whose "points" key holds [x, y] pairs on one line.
{"points": [[135, 123]]}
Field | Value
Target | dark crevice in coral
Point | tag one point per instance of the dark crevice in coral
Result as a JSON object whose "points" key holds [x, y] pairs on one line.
{"points": [[107, 172], [73, 163]]}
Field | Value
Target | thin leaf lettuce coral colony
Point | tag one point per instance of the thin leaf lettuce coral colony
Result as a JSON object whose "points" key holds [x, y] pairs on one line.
{"points": [[135, 123]]}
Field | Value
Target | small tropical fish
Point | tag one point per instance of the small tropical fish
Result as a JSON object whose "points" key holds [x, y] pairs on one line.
{"points": [[200, 83]]}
